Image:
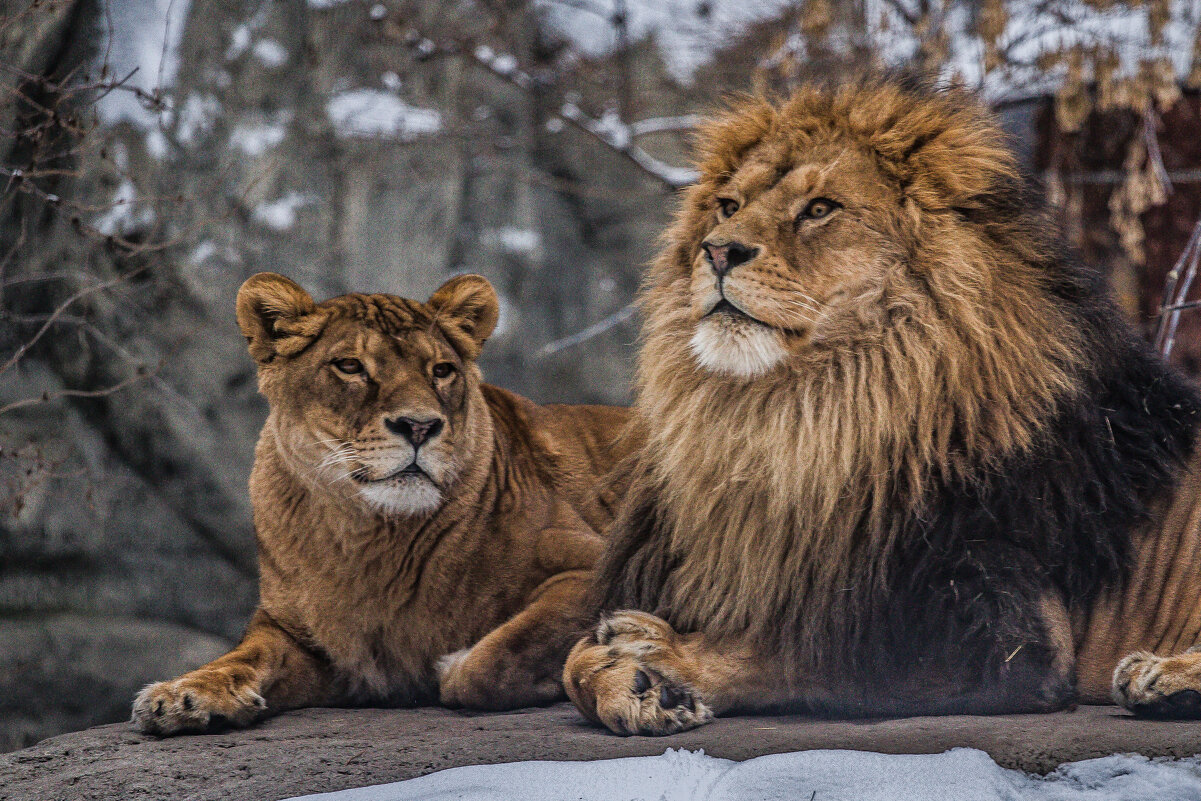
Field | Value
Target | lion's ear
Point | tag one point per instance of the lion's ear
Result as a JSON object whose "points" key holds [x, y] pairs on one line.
{"points": [[468, 308], [277, 317]]}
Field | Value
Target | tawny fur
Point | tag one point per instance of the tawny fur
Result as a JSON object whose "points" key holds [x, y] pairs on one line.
{"points": [[370, 577], [926, 348], [882, 366]]}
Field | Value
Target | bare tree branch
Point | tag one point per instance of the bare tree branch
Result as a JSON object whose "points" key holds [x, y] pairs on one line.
{"points": [[60, 310], [591, 332], [1178, 283], [46, 397]]}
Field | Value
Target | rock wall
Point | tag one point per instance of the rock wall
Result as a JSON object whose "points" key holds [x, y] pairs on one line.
{"points": [[309, 139]]}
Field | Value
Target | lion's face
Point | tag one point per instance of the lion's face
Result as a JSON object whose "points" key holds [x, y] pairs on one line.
{"points": [[790, 235], [372, 396]]}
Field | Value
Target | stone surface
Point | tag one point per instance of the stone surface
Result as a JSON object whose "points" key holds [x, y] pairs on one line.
{"points": [[319, 750]]}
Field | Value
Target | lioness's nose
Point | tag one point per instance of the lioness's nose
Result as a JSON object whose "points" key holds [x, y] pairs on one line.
{"points": [[415, 431], [726, 256]]}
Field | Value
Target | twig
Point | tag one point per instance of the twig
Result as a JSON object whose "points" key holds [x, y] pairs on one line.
{"points": [[60, 310], [1178, 283], [617, 135], [596, 329], [46, 397], [1154, 154], [609, 130]]}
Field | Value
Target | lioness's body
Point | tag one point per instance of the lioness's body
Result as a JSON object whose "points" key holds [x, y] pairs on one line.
{"points": [[422, 536], [904, 455], [383, 601]]}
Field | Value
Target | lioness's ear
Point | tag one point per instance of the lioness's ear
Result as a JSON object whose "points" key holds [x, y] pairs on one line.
{"points": [[468, 307], [277, 317]]}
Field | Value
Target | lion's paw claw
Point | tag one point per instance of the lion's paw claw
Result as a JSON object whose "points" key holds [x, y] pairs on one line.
{"points": [[1159, 687]]}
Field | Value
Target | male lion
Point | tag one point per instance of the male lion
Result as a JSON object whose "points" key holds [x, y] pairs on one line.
{"points": [[405, 511], [904, 456]]}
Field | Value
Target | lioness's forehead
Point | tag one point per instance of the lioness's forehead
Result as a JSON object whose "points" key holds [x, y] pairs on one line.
{"points": [[365, 323], [388, 314]]}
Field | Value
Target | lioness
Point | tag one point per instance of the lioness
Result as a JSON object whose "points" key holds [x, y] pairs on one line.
{"points": [[422, 536], [904, 454]]}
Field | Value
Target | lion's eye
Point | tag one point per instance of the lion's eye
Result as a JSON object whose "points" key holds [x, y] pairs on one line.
{"points": [[727, 206], [348, 366], [819, 207], [443, 369]]}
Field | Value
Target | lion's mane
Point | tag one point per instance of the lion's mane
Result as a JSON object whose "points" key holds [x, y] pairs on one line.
{"points": [[1003, 406]]}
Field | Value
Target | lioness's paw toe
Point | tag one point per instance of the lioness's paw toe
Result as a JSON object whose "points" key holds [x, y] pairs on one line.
{"points": [[190, 705], [1158, 687], [455, 686], [634, 626]]}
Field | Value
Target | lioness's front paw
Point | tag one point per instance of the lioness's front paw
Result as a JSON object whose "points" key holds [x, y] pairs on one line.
{"points": [[1159, 686], [195, 703], [631, 680]]}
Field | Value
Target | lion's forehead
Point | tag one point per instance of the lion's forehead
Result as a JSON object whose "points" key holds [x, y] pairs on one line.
{"points": [[803, 170]]}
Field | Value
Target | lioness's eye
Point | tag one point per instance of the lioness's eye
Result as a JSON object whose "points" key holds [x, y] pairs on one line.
{"points": [[348, 366], [819, 207], [727, 206], [443, 369]]}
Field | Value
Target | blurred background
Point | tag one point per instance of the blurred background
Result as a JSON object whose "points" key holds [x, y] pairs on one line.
{"points": [[155, 153]]}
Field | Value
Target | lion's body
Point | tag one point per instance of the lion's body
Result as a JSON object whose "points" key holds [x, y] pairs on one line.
{"points": [[903, 455], [458, 578]]}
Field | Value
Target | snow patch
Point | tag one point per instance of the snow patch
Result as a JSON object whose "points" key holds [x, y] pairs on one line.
{"points": [[123, 214], [281, 214], [322, 4], [196, 117], [239, 40], [270, 53], [145, 36], [686, 31], [957, 775], [376, 113], [255, 139], [513, 240]]}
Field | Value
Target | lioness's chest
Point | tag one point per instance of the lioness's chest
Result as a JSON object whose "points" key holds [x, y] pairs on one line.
{"points": [[383, 625]]}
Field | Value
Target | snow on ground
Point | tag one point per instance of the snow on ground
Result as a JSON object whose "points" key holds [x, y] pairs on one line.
{"points": [[376, 113], [962, 774]]}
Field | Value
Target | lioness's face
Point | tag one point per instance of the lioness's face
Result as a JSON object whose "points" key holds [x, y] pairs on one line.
{"points": [[373, 395], [787, 235]]}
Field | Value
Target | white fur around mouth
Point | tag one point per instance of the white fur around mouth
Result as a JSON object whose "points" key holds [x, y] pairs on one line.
{"points": [[742, 348], [402, 494]]}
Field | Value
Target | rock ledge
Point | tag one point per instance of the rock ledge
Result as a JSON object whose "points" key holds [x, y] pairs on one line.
{"points": [[318, 750]]}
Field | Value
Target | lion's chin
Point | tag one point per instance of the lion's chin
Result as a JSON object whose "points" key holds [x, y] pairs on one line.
{"points": [[739, 348], [403, 496]]}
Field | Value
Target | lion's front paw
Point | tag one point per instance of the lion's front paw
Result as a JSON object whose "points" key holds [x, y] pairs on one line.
{"points": [[1159, 686], [632, 680], [197, 702]]}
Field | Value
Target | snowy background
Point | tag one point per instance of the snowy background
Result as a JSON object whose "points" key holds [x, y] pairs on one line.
{"points": [[155, 153]]}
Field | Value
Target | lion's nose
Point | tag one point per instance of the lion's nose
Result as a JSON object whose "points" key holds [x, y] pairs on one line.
{"points": [[415, 431], [726, 256]]}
